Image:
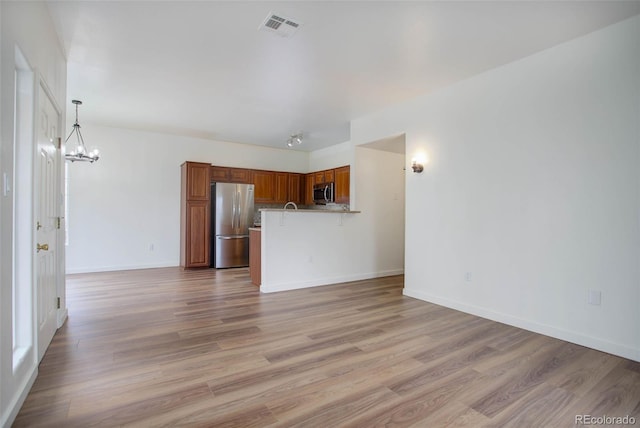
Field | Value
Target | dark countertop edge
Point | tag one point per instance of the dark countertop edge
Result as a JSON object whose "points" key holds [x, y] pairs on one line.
{"points": [[310, 211]]}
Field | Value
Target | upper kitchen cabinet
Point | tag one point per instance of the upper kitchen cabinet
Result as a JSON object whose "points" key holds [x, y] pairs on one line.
{"points": [[241, 175], [195, 197], [264, 182], [295, 188], [274, 187], [342, 183], [321, 177], [281, 187], [195, 181], [309, 181], [223, 174], [219, 174]]}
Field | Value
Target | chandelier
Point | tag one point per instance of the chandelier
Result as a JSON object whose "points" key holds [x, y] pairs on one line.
{"points": [[79, 153], [295, 140]]}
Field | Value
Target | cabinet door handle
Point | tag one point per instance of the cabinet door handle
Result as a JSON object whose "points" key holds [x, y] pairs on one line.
{"points": [[43, 247]]}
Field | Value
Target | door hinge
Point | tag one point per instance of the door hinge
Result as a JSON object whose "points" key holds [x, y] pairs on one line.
{"points": [[58, 222], [59, 143], [58, 303]]}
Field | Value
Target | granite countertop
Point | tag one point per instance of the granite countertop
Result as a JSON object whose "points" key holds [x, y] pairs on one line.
{"points": [[310, 211]]}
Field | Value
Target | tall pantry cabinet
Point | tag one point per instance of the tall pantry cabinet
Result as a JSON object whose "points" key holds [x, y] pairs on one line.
{"points": [[195, 214]]}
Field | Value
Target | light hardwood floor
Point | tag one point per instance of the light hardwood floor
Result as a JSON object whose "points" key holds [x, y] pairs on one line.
{"points": [[165, 347]]}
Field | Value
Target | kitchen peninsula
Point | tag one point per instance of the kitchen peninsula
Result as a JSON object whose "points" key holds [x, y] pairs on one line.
{"points": [[255, 236], [307, 248]]}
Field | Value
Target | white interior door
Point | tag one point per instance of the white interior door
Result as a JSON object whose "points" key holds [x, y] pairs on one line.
{"points": [[48, 160]]}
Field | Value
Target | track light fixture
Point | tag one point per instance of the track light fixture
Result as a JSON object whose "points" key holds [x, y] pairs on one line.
{"points": [[295, 140]]}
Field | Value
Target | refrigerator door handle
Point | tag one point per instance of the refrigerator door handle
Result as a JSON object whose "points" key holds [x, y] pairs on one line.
{"points": [[239, 210], [227, 238], [233, 211]]}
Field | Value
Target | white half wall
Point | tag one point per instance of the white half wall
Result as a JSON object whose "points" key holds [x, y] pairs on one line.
{"points": [[531, 197], [306, 249], [124, 210]]}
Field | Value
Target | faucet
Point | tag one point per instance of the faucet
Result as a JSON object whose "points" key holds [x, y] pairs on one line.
{"points": [[295, 207]]}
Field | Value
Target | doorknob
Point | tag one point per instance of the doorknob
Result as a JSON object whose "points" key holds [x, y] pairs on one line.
{"points": [[44, 247]]}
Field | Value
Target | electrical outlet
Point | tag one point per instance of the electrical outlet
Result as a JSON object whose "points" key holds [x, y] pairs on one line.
{"points": [[467, 276], [152, 247], [594, 297]]}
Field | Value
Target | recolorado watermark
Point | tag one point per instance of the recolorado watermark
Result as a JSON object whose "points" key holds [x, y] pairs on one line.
{"points": [[604, 420]]}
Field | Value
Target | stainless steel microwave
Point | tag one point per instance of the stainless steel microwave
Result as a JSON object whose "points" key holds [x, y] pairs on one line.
{"points": [[323, 193]]}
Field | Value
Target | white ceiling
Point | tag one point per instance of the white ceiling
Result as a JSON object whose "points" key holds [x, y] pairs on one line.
{"points": [[203, 69]]}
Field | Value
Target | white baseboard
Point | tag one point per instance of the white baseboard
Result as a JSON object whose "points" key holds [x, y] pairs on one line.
{"points": [[92, 269], [285, 286], [62, 316], [536, 327], [18, 399]]}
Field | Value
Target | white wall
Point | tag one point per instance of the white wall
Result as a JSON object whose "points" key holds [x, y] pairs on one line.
{"points": [[27, 26], [533, 188], [306, 249], [130, 199], [331, 157]]}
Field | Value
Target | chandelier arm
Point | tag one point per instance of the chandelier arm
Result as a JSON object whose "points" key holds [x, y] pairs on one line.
{"points": [[70, 133], [81, 139]]}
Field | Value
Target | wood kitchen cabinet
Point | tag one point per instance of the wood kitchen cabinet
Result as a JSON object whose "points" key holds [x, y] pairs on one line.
{"points": [[223, 174], [240, 175], [255, 256], [219, 174], [281, 188], [309, 181], [295, 188], [195, 181], [342, 183], [195, 215], [196, 244], [264, 191], [339, 176], [274, 187], [326, 176]]}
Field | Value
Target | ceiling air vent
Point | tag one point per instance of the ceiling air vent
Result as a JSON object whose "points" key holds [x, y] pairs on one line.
{"points": [[279, 25]]}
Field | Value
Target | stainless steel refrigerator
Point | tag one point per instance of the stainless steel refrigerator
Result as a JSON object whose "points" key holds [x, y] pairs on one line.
{"points": [[232, 215]]}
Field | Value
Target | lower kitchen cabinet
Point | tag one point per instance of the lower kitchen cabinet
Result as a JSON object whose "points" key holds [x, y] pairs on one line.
{"points": [[255, 256], [195, 236]]}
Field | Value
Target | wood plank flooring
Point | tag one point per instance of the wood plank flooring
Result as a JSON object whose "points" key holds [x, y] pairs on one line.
{"points": [[165, 347]]}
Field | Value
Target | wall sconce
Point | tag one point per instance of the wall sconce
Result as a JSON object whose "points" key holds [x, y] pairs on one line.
{"points": [[417, 167]]}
